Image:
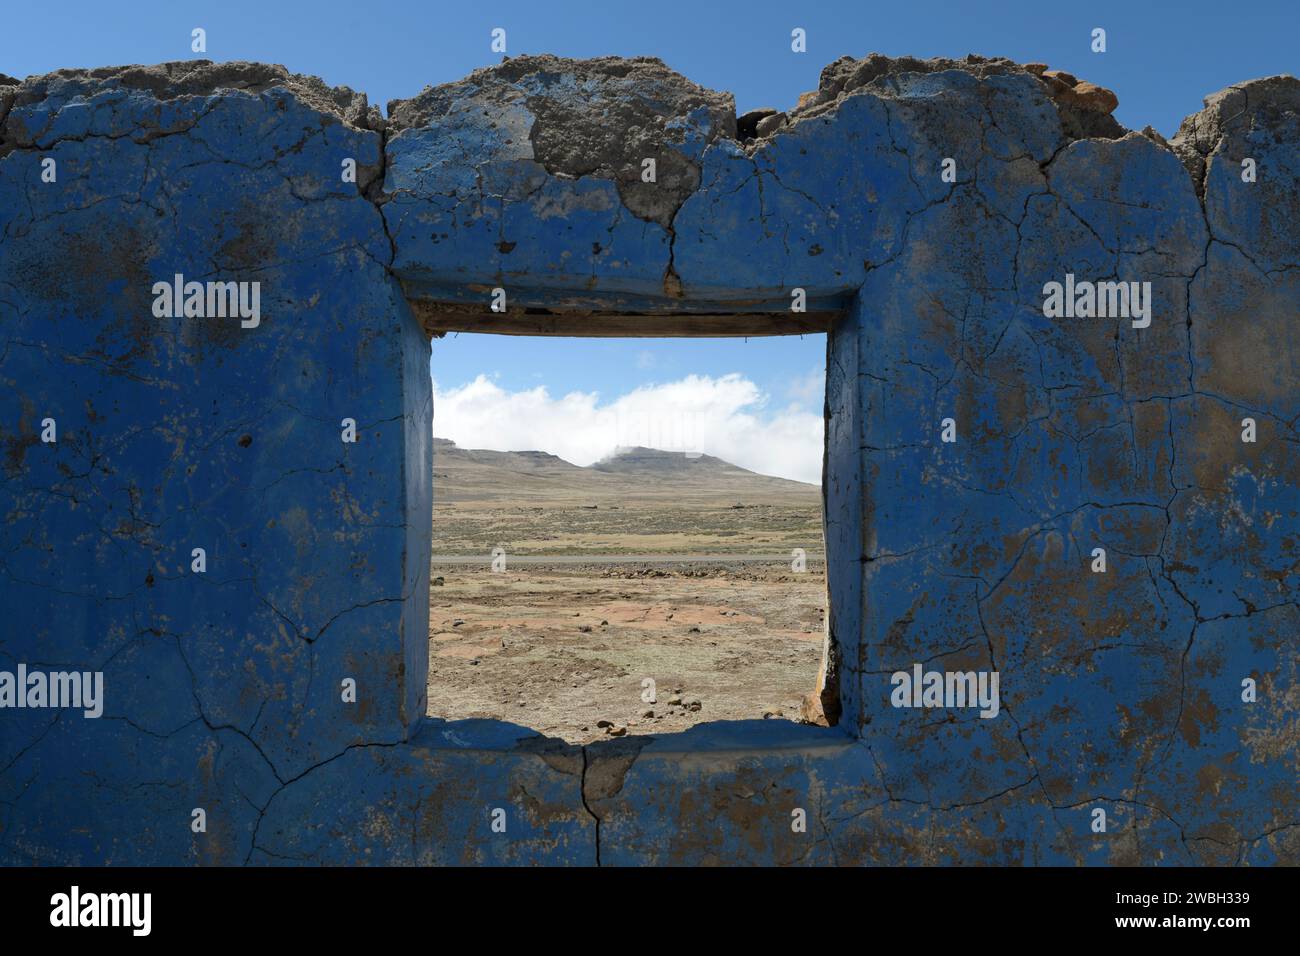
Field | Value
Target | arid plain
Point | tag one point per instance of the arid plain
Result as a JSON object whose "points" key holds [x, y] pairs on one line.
{"points": [[648, 567]]}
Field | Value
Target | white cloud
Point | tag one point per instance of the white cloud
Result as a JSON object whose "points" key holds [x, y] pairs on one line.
{"points": [[728, 416], [808, 388]]}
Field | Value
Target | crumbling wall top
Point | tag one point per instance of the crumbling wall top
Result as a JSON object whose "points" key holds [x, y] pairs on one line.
{"points": [[169, 81], [1084, 107], [601, 118], [1270, 103]]}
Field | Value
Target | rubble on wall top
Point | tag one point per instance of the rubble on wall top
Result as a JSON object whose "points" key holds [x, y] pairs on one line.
{"points": [[589, 115], [644, 78], [1084, 108], [179, 78]]}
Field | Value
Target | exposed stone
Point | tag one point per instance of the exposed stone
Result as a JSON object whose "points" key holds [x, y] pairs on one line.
{"points": [[1233, 114], [1151, 133], [1088, 96], [770, 124], [608, 765], [1056, 85], [747, 123], [1067, 79], [812, 710], [600, 118], [169, 81], [1082, 116]]}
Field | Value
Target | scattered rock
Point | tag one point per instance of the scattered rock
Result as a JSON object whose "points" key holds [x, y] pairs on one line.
{"points": [[648, 713], [616, 731], [438, 582], [203, 77], [1089, 96], [812, 710], [604, 723], [1055, 85], [1151, 133], [747, 123], [1084, 112], [770, 124], [1069, 79]]}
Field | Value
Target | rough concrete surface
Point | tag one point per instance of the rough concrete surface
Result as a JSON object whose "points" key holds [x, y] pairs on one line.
{"points": [[1120, 691]]}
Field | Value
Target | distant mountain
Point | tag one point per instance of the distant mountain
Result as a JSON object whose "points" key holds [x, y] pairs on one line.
{"points": [[651, 461], [629, 475]]}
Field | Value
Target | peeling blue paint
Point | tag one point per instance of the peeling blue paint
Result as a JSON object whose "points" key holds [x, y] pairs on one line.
{"points": [[1120, 690]]}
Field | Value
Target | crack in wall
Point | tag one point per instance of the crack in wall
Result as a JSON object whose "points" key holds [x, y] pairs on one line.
{"points": [[582, 793], [602, 771]]}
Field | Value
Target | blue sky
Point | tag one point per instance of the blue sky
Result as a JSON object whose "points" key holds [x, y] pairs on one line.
{"points": [[1162, 58]]}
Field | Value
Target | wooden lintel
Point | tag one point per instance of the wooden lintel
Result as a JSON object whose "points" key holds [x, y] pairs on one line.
{"points": [[438, 322]]}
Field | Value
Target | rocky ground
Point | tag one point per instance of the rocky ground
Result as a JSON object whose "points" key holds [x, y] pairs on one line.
{"points": [[569, 649]]}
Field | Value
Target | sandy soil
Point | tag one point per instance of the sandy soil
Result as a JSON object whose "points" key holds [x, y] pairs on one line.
{"points": [[565, 649]]}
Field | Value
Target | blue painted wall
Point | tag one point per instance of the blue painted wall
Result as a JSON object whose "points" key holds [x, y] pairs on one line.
{"points": [[1120, 691]]}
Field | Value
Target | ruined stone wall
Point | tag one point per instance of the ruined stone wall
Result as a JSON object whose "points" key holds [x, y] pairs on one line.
{"points": [[224, 680]]}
